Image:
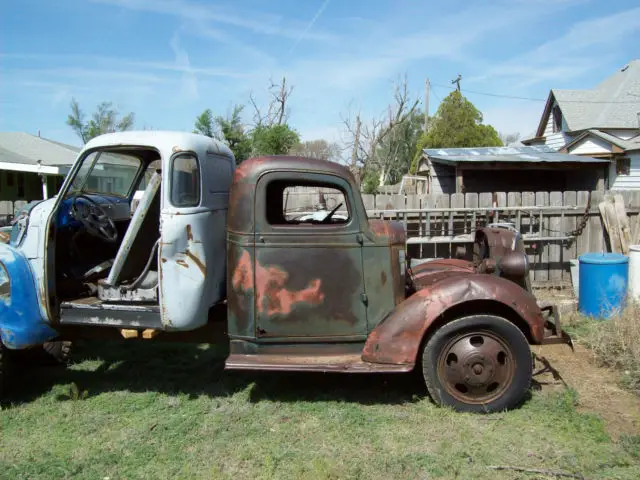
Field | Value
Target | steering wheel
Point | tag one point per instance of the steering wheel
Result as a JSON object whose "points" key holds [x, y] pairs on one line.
{"points": [[327, 219], [94, 219]]}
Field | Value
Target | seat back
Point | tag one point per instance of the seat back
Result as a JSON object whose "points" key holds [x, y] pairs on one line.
{"points": [[143, 231]]}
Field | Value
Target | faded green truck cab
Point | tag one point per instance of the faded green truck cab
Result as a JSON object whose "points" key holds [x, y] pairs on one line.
{"points": [[224, 254]]}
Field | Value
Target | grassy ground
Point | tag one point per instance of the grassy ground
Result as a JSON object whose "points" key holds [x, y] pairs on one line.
{"points": [[170, 411]]}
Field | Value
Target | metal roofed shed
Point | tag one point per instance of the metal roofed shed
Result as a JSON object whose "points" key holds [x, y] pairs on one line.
{"points": [[510, 169]]}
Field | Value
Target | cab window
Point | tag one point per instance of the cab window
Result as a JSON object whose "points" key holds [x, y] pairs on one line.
{"points": [[306, 203], [185, 181]]}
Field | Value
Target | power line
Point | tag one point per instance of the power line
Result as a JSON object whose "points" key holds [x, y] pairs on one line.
{"points": [[435, 94], [515, 97]]}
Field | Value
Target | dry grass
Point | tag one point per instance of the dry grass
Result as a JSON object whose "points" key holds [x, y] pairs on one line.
{"points": [[616, 342]]}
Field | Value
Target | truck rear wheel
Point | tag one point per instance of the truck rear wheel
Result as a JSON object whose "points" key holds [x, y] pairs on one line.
{"points": [[480, 363]]}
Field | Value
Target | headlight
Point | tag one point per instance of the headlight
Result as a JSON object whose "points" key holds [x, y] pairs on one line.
{"points": [[5, 285], [514, 264]]}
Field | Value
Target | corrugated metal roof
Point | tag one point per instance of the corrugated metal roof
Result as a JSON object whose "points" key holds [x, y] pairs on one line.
{"points": [[23, 148], [533, 154]]}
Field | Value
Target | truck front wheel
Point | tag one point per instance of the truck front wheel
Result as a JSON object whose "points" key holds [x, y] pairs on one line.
{"points": [[3, 368], [480, 363]]}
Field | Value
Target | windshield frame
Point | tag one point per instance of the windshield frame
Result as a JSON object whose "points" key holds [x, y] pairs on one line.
{"points": [[71, 191]]}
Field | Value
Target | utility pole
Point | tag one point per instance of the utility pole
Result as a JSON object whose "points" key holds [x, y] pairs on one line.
{"points": [[457, 82], [426, 107]]}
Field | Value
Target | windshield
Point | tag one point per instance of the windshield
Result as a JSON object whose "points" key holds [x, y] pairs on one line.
{"points": [[104, 172]]}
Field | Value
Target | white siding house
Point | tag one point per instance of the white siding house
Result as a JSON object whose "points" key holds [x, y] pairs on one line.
{"points": [[603, 123]]}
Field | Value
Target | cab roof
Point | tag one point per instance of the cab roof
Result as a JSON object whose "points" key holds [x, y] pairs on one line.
{"points": [[250, 170], [165, 141]]}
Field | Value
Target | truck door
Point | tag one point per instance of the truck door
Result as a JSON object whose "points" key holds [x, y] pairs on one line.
{"points": [[308, 258], [192, 250]]}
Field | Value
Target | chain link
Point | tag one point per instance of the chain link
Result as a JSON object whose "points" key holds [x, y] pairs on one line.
{"points": [[574, 234]]}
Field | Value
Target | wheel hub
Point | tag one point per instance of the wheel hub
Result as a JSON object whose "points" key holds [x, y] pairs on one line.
{"points": [[476, 367]]}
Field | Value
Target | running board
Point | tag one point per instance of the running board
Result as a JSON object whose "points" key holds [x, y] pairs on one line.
{"points": [[351, 363], [94, 312]]}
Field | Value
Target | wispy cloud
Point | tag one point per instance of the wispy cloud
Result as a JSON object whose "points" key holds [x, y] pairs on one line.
{"points": [[258, 23], [309, 26], [568, 56], [189, 79]]}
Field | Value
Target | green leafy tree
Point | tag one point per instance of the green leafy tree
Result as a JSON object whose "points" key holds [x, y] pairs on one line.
{"points": [[205, 124], [104, 120], [273, 139], [234, 134], [457, 123], [229, 130]]}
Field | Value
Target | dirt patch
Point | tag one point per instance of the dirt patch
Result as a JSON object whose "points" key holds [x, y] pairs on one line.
{"points": [[598, 389]]}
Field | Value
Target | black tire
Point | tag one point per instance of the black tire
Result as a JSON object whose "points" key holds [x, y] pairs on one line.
{"points": [[478, 364], [57, 352], [4, 359], [48, 354]]}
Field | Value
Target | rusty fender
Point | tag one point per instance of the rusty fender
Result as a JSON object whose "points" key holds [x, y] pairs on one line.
{"points": [[397, 339]]}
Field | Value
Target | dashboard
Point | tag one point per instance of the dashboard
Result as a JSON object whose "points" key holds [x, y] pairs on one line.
{"points": [[117, 208]]}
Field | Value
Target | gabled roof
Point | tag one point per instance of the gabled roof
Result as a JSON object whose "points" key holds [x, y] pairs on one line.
{"points": [[25, 149], [622, 144], [535, 154], [614, 103]]}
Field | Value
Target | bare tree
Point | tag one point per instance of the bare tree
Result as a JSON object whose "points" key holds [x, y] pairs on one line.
{"points": [[509, 138], [320, 149], [278, 109], [366, 139]]}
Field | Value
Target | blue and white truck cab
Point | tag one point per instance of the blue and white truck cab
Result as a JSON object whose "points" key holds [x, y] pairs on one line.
{"points": [[86, 257]]}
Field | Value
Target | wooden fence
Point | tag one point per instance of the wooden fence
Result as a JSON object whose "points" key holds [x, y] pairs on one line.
{"points": [[443, 225]]}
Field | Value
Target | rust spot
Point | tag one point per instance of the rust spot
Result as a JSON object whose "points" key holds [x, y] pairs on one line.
{"points": [[197, 261], [272, 296], [392, 232], [189, 233], [163, 260], [383, 278], [182, 263]]}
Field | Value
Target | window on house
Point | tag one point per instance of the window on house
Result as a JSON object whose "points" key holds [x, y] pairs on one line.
{"points": [[557, 119], [308, 204], [623, 166]]}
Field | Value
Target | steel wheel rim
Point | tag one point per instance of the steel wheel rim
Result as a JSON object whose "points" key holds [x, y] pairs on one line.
{"points": [[476, 367]]}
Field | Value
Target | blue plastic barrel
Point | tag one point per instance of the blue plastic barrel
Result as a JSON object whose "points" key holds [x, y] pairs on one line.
{"points": [[603, 283]]}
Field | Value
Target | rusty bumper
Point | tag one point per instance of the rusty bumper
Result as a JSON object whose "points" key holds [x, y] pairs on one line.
{"points": [[553, 333]]}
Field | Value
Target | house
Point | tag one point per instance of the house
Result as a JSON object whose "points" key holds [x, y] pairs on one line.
{"points": [[603, 123], [509, 169], [32, 167]]}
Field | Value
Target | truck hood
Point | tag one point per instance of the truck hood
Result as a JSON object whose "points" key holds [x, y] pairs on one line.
{"points": [[431, 272]]}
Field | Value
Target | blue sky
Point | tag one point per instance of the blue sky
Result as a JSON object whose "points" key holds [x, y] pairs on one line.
{"points": [[168, 60]]}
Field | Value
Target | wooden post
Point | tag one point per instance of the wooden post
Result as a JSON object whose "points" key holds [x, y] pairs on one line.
{"points": [[459, 179]]}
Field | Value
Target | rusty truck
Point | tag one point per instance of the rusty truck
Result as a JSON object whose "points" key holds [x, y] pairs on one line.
{"points": [[212, 253]]}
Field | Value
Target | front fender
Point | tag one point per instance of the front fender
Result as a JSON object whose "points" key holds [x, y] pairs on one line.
{"points": [[398, 337], [21, 323]]}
